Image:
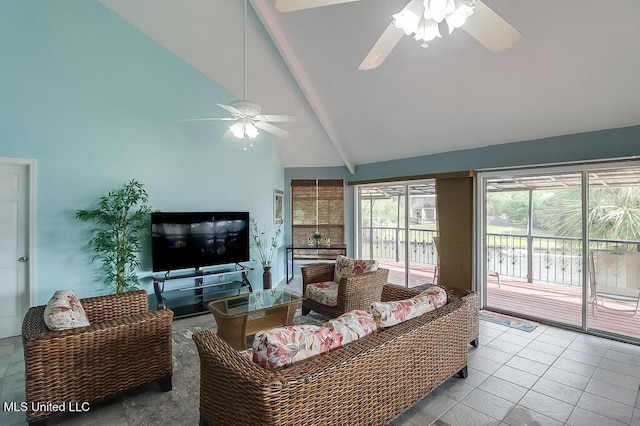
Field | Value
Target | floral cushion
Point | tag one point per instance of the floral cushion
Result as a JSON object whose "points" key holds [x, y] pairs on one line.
{"points": [[347, 267], [392, 313], [64, 311], [351, 326], [324, 292], [285, 345]]}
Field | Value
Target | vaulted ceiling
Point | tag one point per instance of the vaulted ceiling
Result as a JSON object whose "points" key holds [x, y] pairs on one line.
{"points": [[574, 70]]}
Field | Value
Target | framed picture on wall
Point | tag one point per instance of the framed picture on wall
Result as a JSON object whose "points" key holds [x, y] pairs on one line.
{"points": [[278, 206]]}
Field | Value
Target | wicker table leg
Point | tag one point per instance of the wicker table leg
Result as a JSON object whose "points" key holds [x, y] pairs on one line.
{"points": [[232, 330]]}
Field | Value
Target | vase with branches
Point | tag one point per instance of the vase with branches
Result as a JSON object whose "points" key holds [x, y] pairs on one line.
{"points": [[263, 246], [122, 220]]}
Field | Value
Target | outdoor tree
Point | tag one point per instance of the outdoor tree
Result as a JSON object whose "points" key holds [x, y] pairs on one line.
{"points": [[512, 205], [614, 213]]}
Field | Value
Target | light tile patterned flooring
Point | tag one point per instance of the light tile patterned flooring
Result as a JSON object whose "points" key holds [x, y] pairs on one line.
{"points": [[550, 376]]}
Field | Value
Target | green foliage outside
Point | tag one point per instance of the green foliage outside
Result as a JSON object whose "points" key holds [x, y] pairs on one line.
{"points": [[614, 212], [121, 221], [383, 212]]}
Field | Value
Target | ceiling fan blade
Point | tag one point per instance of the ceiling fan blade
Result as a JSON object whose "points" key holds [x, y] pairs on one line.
{"points": [[379, 52], [293, 5], [231, 109], [271, 129], [490, 29], [209, 119], [277, 118]]}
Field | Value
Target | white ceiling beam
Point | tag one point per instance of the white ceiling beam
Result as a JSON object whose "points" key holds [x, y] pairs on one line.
{"points": [[267, 16]]}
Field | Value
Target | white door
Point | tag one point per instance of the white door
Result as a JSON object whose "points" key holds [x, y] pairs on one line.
{"points": [[14, 217]]}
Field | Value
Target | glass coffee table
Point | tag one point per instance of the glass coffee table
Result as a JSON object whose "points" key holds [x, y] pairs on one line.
{"points": [[244, 315]]}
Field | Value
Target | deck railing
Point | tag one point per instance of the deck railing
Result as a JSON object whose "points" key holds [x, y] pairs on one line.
{"points": [[534, 258], [388, 244]]}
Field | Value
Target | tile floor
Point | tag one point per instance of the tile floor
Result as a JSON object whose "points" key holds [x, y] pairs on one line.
{"points": [[550, 376]]}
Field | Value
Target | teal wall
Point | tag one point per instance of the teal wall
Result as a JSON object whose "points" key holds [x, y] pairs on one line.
{"points": [[97, 103], [606, 144]]}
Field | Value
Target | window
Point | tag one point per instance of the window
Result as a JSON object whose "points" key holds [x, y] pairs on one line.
{"points": [[317, 205]]}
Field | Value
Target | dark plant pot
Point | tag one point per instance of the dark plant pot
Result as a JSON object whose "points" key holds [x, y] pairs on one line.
{"points": [[266, 278]]}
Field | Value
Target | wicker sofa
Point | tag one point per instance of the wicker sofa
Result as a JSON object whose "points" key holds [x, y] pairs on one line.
{"points": [[124, 347], [366, 382]]}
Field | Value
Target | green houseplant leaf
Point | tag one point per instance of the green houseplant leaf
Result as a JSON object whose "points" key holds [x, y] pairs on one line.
{"points": [[122, 220]]}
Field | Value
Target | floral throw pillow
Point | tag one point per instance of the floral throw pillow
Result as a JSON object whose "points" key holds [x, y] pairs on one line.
{"points": [[392, 313], [351, 326], [64, 311], [285, 345], [347, 267]]}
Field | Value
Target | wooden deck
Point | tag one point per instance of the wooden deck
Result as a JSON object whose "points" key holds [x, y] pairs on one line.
{"points": [[542, 301]]}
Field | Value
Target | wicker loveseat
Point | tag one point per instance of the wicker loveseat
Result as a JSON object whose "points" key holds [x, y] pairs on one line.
{"points": [[366, 382], [354, 292], [124, 347]]}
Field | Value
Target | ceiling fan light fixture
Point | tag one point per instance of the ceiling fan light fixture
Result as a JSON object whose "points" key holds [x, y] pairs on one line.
{"points": [[427, 30], [421, 17], [408, 18], [244, 128], [438, 10], [459, 16]]}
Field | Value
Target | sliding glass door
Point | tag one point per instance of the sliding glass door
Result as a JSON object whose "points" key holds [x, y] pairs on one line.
{"points": [[613, 258], [397, 225], [561, 245], [534, 262]]}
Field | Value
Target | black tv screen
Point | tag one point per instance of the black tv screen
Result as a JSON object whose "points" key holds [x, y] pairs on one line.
{"points": [[192, 240]]}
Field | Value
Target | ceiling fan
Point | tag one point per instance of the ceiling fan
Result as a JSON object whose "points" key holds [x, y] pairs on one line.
{"points": [[423, 19], [247, 114]]}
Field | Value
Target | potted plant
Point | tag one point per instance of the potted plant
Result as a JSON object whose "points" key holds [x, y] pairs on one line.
{"points": [[316, 237], [264, 248], [122, 220]]}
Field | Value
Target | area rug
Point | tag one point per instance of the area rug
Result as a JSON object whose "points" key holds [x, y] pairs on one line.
{"points": [[149, 406], [509, 321]]}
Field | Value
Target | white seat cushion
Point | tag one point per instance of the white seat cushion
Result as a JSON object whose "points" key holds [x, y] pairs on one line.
{"points": [[324, 292]]}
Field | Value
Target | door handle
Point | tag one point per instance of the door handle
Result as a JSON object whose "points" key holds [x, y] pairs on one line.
{"points": [[23, 259]]}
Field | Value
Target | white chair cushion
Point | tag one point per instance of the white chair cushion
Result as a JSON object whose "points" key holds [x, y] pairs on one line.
{"points": [[325, 293]]}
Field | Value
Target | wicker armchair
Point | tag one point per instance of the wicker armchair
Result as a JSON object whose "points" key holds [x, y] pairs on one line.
{"points": [[356, 292], [124, 347]]}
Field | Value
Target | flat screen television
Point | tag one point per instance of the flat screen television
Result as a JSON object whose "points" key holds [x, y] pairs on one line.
{"points": [[182, 240]]}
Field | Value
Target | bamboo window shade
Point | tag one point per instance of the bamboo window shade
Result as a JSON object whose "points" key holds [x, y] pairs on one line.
{"points": [[317, 205]]}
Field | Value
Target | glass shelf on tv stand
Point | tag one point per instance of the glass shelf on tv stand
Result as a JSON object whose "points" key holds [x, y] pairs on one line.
{"points": [[188, 294]]}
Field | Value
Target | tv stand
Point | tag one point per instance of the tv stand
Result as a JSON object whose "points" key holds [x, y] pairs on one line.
{"points": [[188, 294]]}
